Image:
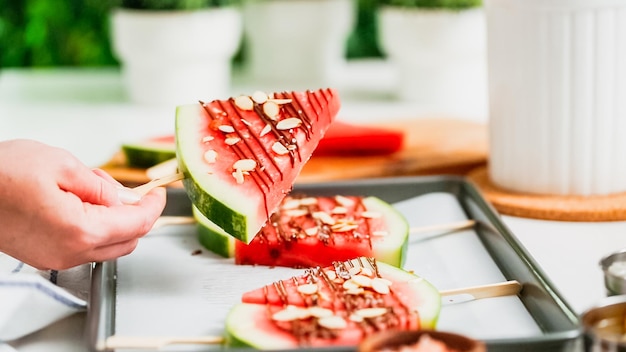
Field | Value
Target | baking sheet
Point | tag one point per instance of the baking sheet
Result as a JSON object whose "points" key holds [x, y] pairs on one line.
{"points": [[164, 289]]}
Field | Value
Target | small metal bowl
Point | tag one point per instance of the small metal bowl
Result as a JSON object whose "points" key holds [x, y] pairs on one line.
{"points": [[395, 340], [614, 268], [604, 325]]}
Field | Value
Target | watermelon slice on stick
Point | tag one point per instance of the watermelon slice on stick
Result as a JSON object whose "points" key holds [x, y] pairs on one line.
{"points": [[333, 306], [310, 231], [241, 156]]}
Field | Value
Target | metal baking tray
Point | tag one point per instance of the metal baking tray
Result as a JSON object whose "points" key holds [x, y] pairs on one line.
{"points": [[164, 288]]}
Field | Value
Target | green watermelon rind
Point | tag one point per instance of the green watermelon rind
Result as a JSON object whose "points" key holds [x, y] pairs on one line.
{"points": [[214, 198], [241, 330], [394, 252], [215, 239], [212, 237], [144, 155]]}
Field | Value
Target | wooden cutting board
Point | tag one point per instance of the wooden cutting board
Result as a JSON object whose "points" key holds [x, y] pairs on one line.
{"points": [[432, 146]]}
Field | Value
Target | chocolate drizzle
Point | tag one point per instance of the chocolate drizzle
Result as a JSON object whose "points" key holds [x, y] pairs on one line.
{"points": [[251, 140], [289, 229], [396, 314]]}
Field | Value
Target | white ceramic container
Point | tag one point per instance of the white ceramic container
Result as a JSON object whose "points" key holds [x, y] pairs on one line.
{"points": [[439, 55], [176, 57], [296, 44], [557, 92]]}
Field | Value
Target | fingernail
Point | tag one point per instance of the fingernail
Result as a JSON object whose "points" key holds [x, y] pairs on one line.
{"points": [[128, 196]]}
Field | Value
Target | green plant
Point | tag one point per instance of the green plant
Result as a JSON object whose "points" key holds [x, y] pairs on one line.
{"points": [[434, 4], [44, 33], [173, 4]]}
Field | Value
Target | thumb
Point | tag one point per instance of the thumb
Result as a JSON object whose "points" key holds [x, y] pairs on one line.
{"points": [[93, 187]]}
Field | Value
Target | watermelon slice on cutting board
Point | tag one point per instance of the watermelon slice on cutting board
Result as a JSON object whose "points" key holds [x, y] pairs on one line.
{"points": [[241, 156], [150, 152], [341, 138], [337, 305], [309, 231]]}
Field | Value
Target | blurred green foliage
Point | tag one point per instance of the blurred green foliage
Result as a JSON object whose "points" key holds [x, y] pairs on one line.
{"points": [[54, 33], [174, 4], [41, 33], [434, 4]]}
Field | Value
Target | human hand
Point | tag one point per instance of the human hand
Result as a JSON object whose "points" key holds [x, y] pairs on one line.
{"points": [[57, 213]]}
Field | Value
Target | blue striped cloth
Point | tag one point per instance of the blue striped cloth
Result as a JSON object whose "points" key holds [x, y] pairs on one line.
{"points": [[32, 299]]}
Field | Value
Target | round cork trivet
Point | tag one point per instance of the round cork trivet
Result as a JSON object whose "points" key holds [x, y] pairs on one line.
{"points": [[610, 207]]}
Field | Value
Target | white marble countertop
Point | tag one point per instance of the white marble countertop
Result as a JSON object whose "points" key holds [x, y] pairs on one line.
{"points": [[84, 111]]}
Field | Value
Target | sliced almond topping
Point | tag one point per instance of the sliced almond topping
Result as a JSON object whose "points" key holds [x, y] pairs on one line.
{"points": [[245, 122], [356, 318], [281, 101], [207, 139], [371, 214], [388, 282], [324, 217], [344, 201], [279, 148], [367, 272], [311, 231], [265, 130], [245, 164], [238, 175], [308, 201], [226, 128], [339, 210], [320, 312], [331, 274], [380, 286], [271, 109], [333, 322], [294, 213], [291, 313], [371, 312], [380, 233], [210, 156], [244, 102], [362, 280], [259, 97], [307, 289], [350, 285], [290, 203], [232, 140], [288, 123], [354, 291], [355, 270], [344, 227]]}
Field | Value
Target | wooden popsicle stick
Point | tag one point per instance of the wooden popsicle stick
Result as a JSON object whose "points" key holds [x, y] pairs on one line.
{"points": [[156, 342], [159, 182], [439, 229], [499, 289], [168, 220]]}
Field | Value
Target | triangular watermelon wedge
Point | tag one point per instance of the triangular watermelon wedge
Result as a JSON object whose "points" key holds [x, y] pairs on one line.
{"points": [[310, 231], [333, 306], [241, 156]]}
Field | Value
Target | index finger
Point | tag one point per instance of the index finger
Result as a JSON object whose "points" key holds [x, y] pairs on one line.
{"points": [[126, 222]]}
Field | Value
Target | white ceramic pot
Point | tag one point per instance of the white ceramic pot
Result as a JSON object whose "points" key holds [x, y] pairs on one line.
{"points": [[440, 55], [176, 57], [557, 85], [296, 44]]}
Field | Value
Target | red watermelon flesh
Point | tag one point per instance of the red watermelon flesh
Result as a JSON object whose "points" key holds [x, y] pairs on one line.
{"points": [[344, 138], [336, 305], [241, 156]]}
